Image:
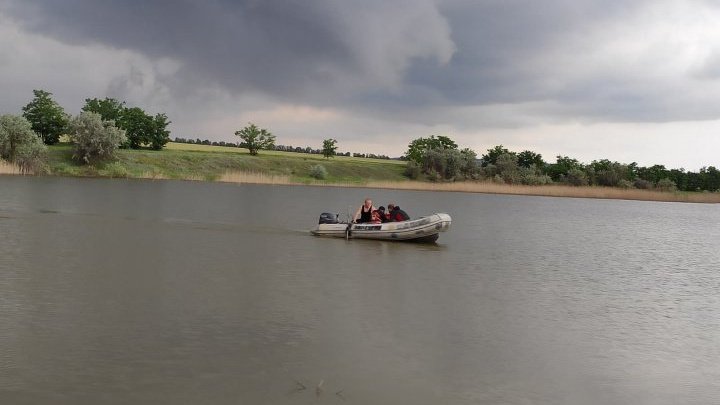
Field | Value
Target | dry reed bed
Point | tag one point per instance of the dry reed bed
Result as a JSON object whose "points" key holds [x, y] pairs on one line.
{"points": [[466, 187], [9, 168], [255, 178], [490, 188]]}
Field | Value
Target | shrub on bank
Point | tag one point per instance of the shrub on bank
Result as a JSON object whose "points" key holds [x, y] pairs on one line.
{"points": [[642, 184], [625, 184], [318, 172], [20, 145], [94, 138], [666, 185], [412, 170], [529, 176], [114, 169], [575, 177]]}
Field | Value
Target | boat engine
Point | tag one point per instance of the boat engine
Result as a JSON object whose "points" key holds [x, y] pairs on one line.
{"points": [[328, 218]]}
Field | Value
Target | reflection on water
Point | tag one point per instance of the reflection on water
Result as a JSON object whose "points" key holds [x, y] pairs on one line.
{"points": [[115, 291]]}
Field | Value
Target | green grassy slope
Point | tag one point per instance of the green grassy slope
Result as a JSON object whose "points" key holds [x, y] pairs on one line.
{"points": [[186, 161]]}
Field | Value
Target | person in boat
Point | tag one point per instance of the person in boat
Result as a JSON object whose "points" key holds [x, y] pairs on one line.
{"points": [[364, 213], [384, 217], [396, 214], [376, 217]]}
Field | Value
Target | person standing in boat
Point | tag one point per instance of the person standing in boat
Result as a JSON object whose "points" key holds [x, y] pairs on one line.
{"points": [[396, 214], [364, 213]]}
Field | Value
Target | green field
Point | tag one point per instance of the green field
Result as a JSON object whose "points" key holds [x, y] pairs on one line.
{"points": [[204, 162]]}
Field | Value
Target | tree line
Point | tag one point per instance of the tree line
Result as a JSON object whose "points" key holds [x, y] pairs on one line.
{"points": [[438, 158], [328, 149], [102, 126], [49, 120]]}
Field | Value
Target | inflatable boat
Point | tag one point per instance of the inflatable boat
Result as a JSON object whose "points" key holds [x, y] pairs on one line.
{"points": [[423, 229]]}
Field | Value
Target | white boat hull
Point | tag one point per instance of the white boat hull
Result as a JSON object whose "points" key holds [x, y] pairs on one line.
{"points": [[424, 229]]}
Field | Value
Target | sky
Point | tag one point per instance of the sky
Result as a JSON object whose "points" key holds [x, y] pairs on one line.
{"points": [[626, 80]]}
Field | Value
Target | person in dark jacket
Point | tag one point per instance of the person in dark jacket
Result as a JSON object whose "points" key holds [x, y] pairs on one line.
{"points": [[396, 214], [385, 217]]}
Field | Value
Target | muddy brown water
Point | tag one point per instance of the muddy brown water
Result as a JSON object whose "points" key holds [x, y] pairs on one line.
{"points": [[169, 292]]}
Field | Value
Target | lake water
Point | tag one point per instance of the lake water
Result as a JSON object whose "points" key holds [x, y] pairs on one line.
{"points": [[168, 292]]}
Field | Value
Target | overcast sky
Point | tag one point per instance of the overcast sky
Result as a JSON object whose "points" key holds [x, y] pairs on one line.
{"points": [[624, 80]]}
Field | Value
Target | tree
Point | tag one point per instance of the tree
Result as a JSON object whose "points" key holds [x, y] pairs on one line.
{"points": [[93, 137], [418, 147], [329, 147], [653, 173], [712, 179], [563, 166], [468, 165], [254, 138], [47, 117], [575, 177], [606, 173], [19, 144], [528, 158], [490, 158], [139, 127], [159, 136], [109, 108]]}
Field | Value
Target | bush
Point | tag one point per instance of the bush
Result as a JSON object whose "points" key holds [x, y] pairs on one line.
{"points": [[449, 164], [506, 164], [642, 184], [412, 170], [489, 171], [434, 176], [20, 145], [626, 184], [31, 157], [115, 169], [318, 172], [606, 173], [530, 177], [575, 177], [94, 138], [435, 165], [666, 185], [469, 166]]}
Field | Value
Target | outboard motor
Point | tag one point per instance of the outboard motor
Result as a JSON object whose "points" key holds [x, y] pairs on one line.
{"points": [[328, 218]]}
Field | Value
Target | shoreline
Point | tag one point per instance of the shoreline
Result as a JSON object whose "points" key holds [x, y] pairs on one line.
{"points": [[235, 165], [562, 191]]}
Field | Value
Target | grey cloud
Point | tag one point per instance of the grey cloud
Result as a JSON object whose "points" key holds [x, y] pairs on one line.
{"points": [[399, 60], [299, 49]]}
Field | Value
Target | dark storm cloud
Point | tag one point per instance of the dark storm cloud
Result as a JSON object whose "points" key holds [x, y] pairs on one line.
{"points": [[268, 45], [527, 52], [394, 58], [300, 49]]}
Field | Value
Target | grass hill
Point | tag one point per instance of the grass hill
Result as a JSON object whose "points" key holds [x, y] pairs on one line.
{"points": [[204, 162]]}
